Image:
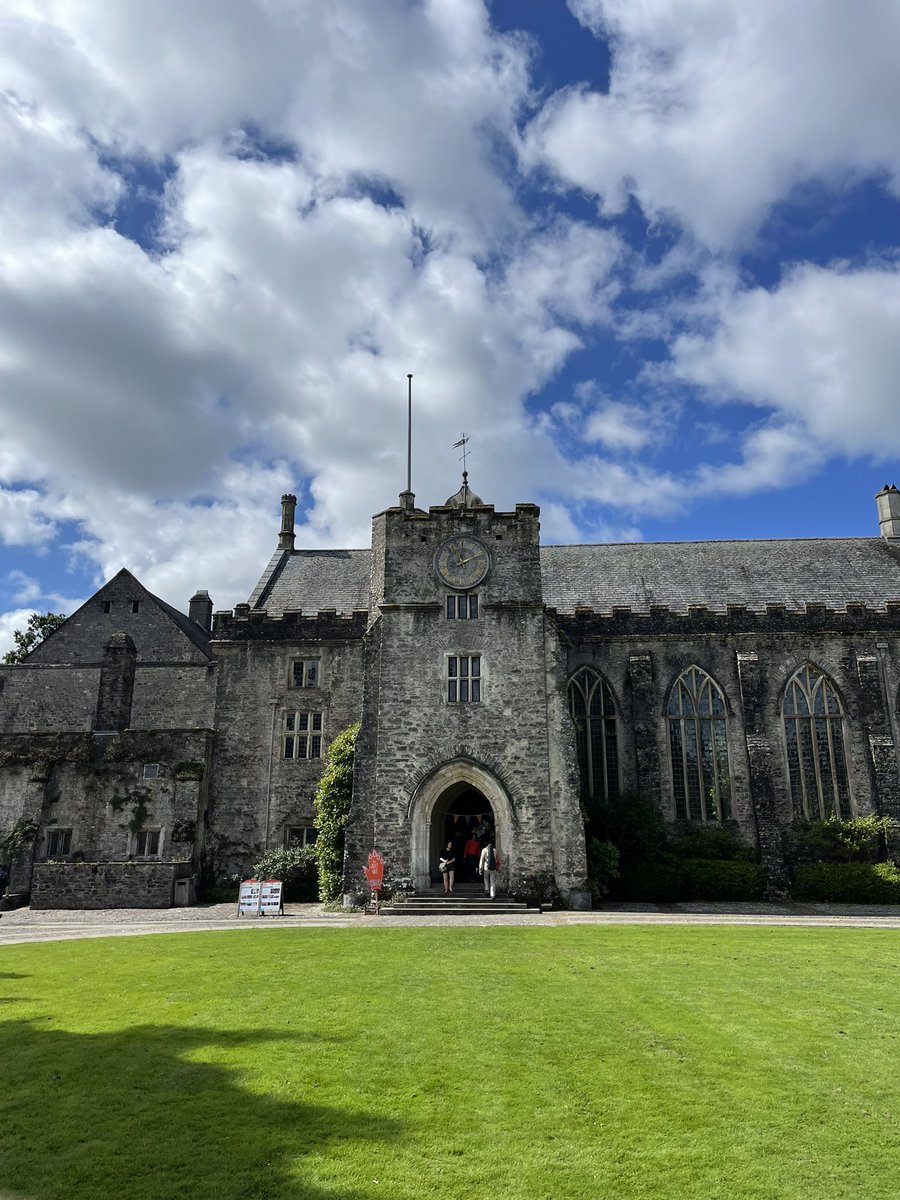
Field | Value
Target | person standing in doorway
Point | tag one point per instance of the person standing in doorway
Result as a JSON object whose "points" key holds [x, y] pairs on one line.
{"points": [[471, 852], [488, 866], [447, 862]]}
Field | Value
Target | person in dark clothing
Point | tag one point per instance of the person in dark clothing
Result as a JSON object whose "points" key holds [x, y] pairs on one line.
{"points": [[447, 866]]}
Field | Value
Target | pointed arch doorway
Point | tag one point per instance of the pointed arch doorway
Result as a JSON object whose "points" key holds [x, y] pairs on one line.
{"points": [[458, 799], [463, 816]]}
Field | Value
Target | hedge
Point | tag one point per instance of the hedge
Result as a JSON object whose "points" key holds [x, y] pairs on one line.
{"points": [[847, 883], [668, 881]]}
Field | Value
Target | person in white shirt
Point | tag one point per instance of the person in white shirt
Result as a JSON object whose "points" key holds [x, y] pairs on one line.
{"points": [[488, 866]]}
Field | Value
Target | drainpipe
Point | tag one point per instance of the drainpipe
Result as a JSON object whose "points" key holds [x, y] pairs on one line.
{"points": [[269, 776]]}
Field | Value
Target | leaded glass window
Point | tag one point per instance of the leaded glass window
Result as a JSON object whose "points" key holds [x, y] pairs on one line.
{"points": [[301, 735], [464, 679], [594, 713], [815, 737], [701, 779]]}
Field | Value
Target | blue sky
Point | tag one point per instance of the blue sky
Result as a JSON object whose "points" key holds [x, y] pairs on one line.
{"points": [[646, 255]]}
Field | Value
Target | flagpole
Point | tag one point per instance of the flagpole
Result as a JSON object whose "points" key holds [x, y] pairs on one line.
{"points": [[409, 436]]}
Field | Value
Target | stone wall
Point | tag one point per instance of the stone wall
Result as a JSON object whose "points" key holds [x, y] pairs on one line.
{"points": [[174, 697], [106, 884], [257, 792], [50, 696], [155, 630], [412, 736], [751, 656], [95, 786]]}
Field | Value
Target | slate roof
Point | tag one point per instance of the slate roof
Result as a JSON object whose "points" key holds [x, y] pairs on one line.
{"points": [[197, 634], [635, 575], [315, 580], [830, 571]]}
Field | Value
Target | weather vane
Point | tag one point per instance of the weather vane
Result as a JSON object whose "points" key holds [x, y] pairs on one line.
{"points": [[456, 445]]}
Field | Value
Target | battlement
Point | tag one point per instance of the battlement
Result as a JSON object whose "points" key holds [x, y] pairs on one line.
{"points": [[256, 624], [734, 618]]}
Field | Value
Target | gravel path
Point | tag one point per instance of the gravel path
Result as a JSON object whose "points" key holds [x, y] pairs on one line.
{"points": [[25, 925]]}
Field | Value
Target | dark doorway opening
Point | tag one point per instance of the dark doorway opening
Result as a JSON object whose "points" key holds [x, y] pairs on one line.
{"points": [[464, 818]]}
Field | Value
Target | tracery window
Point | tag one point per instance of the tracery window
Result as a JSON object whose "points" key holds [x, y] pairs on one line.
{"points": [[594, 712], [815, 738], [701, 778]]}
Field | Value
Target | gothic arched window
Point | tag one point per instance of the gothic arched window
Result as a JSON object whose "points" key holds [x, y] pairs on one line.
{"points": [[701, 778], [594, 712], [814, 735]]}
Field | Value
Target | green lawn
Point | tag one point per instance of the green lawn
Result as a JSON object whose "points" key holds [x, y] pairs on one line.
{"points": [[691, 1063]]}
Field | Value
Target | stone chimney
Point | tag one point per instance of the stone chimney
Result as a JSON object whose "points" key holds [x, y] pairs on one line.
{"points": [[888, 501], [200, 610], [286, 536], [116, 689]]}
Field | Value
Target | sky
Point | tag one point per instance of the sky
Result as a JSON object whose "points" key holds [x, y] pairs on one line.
{"points": [[644, 253]]}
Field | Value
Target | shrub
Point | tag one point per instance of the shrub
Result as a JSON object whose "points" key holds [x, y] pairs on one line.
{"points": [[656, 882], [603, 867], [632, 823], [296, 868], [860, 839], [332, 800], [220, 893], [706, 879], [847, 883], [713, 841]]}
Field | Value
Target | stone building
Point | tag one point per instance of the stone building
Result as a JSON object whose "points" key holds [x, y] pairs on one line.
{"points": [[495, 679]]}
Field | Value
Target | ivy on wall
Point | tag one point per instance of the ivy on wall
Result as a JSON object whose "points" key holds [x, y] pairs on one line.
{"points": [[332, 801]]}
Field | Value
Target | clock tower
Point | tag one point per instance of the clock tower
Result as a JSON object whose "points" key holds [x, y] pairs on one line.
{"points": [[464, 718]]}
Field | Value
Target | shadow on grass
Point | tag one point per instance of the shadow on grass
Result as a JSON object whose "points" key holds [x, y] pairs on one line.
{"points": [[138, 1113]]}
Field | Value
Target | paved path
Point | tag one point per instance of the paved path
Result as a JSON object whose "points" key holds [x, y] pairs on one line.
{"points": [[25, 925]]}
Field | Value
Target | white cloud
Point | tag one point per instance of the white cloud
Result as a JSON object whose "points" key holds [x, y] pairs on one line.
{"points": [[22, 522], [717, 111], [821, 350], [162, 401], [617, 426]]}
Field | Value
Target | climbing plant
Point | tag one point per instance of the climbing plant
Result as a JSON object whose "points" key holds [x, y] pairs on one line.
{"points": [[20, 837], [332, 801]]}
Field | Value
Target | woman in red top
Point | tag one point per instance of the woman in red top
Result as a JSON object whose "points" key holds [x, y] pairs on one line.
{"points": [[471, 851]]}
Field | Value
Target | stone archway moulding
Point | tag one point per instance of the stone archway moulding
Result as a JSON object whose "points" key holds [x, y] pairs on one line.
{"points": [[426, 796]]}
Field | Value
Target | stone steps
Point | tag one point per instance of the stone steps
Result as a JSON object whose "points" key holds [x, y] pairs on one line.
{"points": [[460, 904]]}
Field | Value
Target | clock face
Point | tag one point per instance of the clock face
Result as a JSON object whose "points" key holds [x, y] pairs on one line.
{"points": [[461, 562]]}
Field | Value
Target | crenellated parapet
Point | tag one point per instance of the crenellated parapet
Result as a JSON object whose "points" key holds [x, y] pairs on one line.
{"points": [[254, 624], [737, 619]]}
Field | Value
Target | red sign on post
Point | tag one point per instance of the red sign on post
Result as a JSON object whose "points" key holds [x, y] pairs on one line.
{"points": [[374, 871]]}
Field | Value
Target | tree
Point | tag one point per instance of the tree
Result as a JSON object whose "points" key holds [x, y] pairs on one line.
{"points": [[39, 627], [332, 802]]}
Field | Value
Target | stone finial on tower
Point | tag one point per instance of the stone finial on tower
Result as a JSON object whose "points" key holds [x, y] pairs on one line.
{"points": [[201, 609], [888, 501], [286, 536], [465, 497]]}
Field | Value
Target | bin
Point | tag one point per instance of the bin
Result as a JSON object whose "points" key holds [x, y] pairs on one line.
{"points": [[184, 892]]}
